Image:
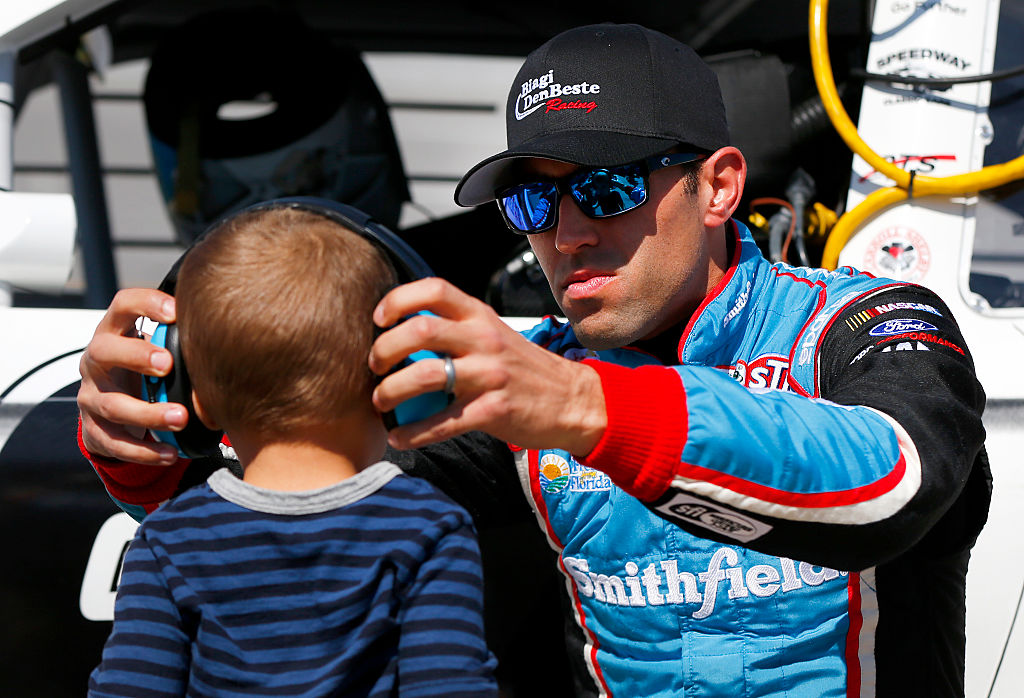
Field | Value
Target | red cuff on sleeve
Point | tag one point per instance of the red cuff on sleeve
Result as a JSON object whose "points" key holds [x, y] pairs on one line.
{"points": [[642, 446], [133, 483]]}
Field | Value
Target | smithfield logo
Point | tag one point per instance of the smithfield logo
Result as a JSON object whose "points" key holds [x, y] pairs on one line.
{"points": [[740, 304], [891, 327], [545, 92], [725, 578], [553, 473]]}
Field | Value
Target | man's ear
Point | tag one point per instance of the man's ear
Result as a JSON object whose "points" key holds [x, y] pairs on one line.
{"points": [[202, 414], [723, 173]]}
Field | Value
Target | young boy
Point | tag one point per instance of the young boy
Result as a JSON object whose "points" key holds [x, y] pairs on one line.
{"points": [[323, 571]]}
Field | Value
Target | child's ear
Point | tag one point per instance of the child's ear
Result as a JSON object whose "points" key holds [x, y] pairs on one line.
{"points": [[201, 413]]}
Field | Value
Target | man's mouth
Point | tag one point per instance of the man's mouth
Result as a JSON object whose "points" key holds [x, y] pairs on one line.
{"points": [[585, 284]]}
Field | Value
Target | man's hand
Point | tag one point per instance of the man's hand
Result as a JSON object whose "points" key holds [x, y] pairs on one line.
{"points": [[114, 417], [505, 385]]}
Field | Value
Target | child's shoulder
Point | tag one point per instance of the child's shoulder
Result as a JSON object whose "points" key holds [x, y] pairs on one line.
{"points": [[425, 495], [416, 487], [194, 501]]}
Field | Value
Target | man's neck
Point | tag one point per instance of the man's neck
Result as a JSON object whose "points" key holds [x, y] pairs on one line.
{"points": [[313, 457], [665, 345]]}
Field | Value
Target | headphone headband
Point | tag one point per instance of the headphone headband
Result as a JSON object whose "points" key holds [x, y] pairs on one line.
{"points": [[404, 260], [196, 440], [408, 264]]}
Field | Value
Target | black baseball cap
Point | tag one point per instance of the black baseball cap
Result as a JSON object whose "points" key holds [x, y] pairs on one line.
{"points": [[604, 95]]}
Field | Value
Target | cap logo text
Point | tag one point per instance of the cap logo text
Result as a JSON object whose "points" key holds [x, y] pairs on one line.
{"points": [[544, 91]]}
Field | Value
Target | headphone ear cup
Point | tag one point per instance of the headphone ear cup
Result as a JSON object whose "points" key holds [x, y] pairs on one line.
{"points": [[422, 406], [195, 440]]}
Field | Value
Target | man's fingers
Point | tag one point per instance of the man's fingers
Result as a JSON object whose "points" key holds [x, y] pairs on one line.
{"points": [[478, 402], [465, 414], [433, 429], [122, 408], [114, 426], [434, 294], [111, 440], [107, 352], [417, 332], [484, 333], [128, 304], [114, 418], [114, 344], [421, 377]]}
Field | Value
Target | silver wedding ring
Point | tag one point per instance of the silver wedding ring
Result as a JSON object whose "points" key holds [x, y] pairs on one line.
{"points": [[449, 375]]}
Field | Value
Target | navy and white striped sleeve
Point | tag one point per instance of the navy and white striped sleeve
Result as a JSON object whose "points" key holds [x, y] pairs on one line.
{"points": [[442, 650], [147, 653]]}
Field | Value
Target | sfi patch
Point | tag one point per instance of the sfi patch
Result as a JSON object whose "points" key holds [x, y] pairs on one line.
{"points": [[685, 508], [898, 253]]}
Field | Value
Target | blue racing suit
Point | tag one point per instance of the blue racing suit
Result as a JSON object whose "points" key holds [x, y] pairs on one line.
{"points": [[739, 447], [782, 506]]}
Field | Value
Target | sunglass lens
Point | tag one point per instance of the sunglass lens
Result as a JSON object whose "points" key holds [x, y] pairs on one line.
{"points": [[529, 207], [607, 192]]}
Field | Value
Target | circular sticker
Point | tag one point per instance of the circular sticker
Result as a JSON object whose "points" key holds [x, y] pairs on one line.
{"points": [[898, 253], [554, 473]]}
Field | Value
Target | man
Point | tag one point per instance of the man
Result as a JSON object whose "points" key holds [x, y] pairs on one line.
{"points": [[757, 479]]}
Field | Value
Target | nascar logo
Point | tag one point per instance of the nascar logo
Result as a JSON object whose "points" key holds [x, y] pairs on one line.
{"points": [[890, 327], [855, 321]]}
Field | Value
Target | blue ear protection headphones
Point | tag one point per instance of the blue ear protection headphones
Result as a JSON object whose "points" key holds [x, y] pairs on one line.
{"points": [[195, 440]]}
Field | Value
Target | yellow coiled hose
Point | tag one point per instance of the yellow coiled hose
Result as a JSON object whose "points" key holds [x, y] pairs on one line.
{"points": [[953, 185]]}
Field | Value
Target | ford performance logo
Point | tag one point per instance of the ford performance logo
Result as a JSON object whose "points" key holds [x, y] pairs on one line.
{"points": [[891, 327]]}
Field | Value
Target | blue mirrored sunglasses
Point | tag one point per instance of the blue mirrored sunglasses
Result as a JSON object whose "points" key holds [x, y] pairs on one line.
{"points": [[600, 192]]}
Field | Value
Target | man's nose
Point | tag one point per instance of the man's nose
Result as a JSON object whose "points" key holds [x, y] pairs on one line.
{"points": [[575, 229]]}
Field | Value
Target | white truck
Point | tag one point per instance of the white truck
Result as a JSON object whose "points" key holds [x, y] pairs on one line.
{"points": [[81, 215]]}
